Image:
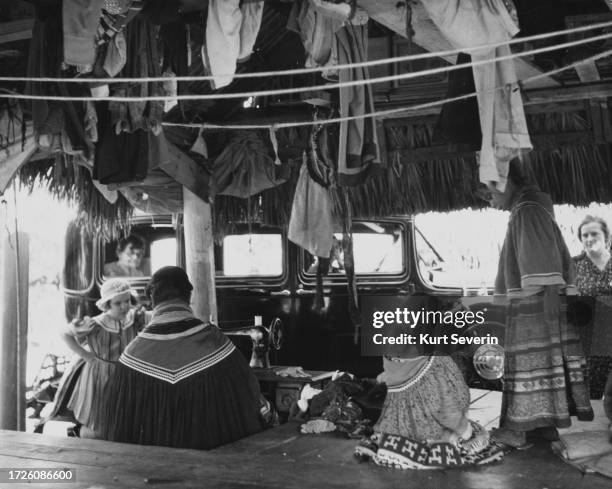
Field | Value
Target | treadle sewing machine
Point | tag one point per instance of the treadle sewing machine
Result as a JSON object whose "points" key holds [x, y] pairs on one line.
{"points": [[281, 384], [263, 339]]}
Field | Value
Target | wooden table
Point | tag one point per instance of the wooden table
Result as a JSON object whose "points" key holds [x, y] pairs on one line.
{"points": [[278, 458]]}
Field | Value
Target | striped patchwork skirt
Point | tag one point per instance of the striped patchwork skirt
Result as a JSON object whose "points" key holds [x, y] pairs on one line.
{"points": [[544, 378]]}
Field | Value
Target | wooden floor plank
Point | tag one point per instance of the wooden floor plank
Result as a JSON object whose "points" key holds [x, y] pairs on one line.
{"points": [[273, 459], [486, 408]]}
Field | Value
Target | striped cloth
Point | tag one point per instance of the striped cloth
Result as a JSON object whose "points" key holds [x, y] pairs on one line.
{"points": [[176, 345]]}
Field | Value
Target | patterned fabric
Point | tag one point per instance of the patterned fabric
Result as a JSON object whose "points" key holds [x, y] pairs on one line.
{"points": [[116, 6], [590, 280], [404, 453], [430, 406], [169, 313], [114, 21], [544, 369], [176, 345]]}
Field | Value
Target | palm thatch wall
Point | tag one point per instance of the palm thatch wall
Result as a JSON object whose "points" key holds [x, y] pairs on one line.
{"points": [[66, 180], [575, 170]]}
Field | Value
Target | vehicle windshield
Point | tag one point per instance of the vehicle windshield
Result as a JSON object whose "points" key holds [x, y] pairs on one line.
{"points": [[462, 249]]}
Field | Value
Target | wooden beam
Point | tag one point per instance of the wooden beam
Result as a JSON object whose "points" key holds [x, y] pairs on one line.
{"points": [[428, 36], [568, 93], [564, 99], [186, 172], [16, 30], [13, 326], [199, 255]]}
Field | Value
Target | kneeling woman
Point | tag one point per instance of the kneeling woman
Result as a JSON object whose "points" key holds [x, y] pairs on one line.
{"points": [[99, 341], [424, 424]]}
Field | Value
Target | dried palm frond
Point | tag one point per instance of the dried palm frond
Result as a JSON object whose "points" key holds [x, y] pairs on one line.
{"points": [[71, 182]]}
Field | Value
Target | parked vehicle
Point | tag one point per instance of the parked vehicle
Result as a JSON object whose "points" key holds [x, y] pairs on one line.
{"points": [[259, 272]]}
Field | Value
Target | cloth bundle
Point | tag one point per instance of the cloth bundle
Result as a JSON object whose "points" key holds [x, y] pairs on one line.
{"points": [[340, 403], [245, 167]]}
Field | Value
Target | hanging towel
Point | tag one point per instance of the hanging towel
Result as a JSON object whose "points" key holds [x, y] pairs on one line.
{"points": [[80, 21], [231, 31], [311, 223]]}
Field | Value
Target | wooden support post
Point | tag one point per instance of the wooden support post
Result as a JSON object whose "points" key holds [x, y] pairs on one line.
{"points": [[13, 328], [199, 255]]}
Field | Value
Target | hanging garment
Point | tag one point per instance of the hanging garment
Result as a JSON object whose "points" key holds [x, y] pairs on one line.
{"points": [[316, 31], [142, 62], [358, 153], [470, 23], [459, 121], [126, 156], [54, 120], [245, 167], [231, 31], [112, 24], [80, 21], [311, 224]]}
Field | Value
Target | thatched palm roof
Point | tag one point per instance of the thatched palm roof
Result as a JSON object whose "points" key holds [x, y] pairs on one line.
{"points": [[571, 160]]}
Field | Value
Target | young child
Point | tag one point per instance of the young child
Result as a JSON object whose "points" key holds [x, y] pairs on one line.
{"points": [[99, 341]]}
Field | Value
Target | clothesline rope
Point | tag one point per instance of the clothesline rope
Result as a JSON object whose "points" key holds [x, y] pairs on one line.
{"points": [[286, 91], [387, 112], [299, 71]]}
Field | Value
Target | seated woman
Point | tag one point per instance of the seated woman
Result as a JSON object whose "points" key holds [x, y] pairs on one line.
{"points": [[424, 422], [98, 341], [130, 252]]}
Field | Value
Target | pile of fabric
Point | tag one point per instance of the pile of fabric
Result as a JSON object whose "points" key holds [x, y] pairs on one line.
{"points": [[345, 405]]}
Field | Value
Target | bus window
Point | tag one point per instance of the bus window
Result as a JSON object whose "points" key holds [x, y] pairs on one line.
{"points": [[252, 255], [139, 254], [377, 249], [163, 253], [459, 249]]}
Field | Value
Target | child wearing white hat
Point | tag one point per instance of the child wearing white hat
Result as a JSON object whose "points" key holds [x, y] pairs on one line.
{"points": [[99, 341]]}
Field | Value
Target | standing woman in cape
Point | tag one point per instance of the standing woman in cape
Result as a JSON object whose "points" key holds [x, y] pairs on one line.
{"points": [[544, 367]]}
